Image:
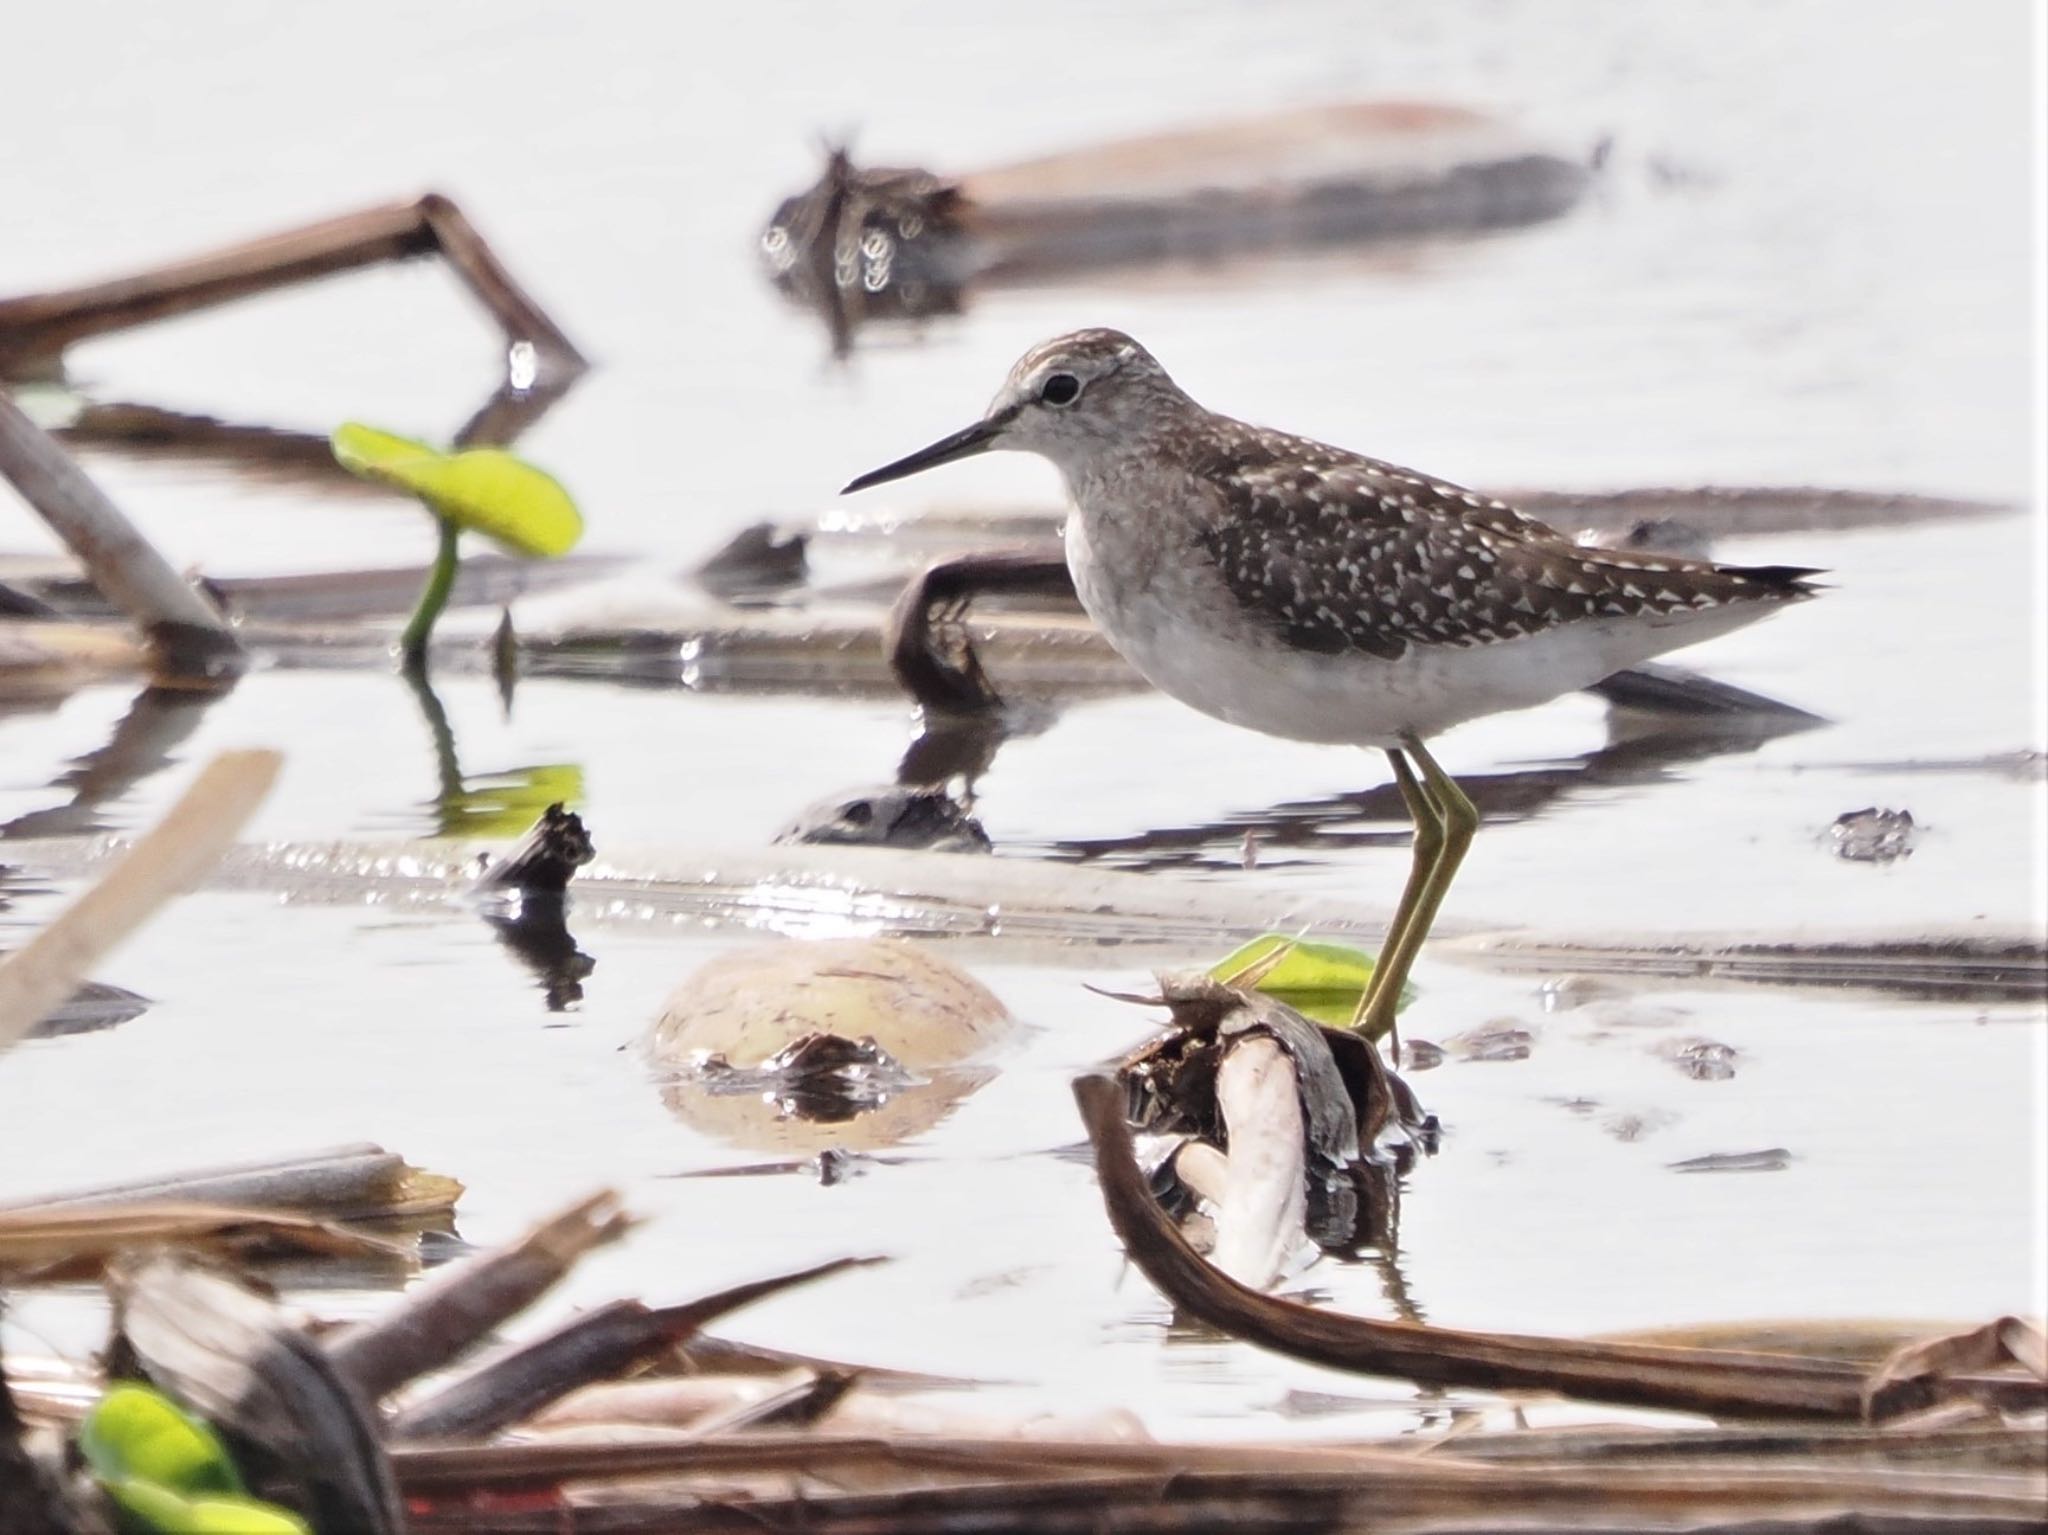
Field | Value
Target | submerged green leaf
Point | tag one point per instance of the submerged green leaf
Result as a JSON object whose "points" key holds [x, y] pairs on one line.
{"points": [[1323, 981], [134, 1431], [151, 1507], [168, 1472], [482, 490]]}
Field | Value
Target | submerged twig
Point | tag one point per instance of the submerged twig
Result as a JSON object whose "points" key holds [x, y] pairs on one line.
{"points": [[542, 862], [947, 585]]}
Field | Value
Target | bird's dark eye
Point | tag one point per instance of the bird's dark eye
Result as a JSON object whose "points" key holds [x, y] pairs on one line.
{"points": [[1060, 389]]}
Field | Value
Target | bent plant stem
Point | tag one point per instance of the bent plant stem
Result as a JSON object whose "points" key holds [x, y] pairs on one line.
{"points": [[412, 645]]}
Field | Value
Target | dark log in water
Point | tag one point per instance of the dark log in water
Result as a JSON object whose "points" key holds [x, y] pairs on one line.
{"points": [[873, 243]]}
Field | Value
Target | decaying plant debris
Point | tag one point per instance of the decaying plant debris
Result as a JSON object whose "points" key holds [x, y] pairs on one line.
{"points": [[360, 1203], [489, 1451], [1293, 1129], [363, 1428], [1717, 1383]]}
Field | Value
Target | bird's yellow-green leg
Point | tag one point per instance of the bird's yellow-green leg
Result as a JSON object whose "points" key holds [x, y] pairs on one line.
{"points": [[1427, 848], [1459, 819]]}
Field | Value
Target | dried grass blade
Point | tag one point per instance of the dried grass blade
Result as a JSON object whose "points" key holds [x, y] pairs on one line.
{"points": [[179, 850]]}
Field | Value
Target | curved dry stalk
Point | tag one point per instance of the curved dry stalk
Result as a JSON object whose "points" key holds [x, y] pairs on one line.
{"points": [[1715, 1382]]}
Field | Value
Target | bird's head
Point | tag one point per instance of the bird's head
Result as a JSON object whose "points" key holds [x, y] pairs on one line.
{"points": [[1068, 399]]}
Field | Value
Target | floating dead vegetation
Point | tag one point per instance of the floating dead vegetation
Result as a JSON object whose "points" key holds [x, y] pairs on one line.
{"points": [[626, 1418], [1289, 1132], [357, 1203], [630, 1418], [185, 637], [1709, 1382], [93, 1006]]}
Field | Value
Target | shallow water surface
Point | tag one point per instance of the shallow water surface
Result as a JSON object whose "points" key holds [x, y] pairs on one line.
{"points": [[1769, 286]]}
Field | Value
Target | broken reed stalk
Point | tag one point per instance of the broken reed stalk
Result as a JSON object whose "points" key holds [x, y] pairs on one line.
{"points": [[190, 640], [56, 1245], [1714, 1382], [36, 329], [359, 1182], [177, 852], [595, 1346], [443, 1318]]}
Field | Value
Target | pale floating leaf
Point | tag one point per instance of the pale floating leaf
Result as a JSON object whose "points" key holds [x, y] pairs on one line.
{"points": [[1323, 981]]}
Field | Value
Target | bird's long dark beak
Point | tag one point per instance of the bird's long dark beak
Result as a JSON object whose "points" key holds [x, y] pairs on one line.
{"points": [[978, 438]]}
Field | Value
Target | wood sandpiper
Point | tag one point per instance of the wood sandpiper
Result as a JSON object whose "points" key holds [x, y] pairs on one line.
{"points": [[1310, 592]]}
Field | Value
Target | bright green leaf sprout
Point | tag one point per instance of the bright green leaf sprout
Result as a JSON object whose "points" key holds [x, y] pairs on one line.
{"points": [[168, 1472], [480, 490]]}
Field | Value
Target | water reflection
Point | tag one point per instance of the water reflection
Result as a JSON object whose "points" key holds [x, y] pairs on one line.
{"points": [[1642, 750], [145, 741], [532, 923], [535, 930]]}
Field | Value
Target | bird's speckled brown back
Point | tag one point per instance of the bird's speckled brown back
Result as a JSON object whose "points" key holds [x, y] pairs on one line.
{"points": [[1343, 552]]}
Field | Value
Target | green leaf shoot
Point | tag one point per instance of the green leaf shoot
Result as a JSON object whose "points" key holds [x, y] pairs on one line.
{"points": [[480, 490], [168, 1472], [474, 490], [1322, 981]]}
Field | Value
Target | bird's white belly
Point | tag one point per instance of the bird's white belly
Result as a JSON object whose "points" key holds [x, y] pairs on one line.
{"points": [[1189, 638]]}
